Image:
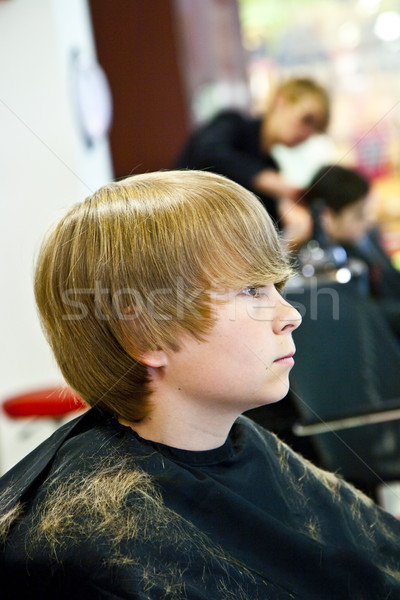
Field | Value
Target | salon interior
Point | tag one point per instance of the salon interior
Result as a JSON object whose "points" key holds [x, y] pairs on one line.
{"points": [[91, 92]]}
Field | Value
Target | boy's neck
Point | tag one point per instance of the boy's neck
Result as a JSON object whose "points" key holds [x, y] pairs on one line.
{"points": [[186, 430]]}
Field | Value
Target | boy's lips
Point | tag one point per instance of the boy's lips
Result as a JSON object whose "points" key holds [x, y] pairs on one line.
{"points": [[286, 359]]}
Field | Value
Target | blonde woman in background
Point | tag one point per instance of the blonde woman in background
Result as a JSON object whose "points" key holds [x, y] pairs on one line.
{"points": [[239, 146]]}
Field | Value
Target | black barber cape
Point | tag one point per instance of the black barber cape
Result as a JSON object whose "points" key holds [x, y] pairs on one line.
{"points": [[98, 512]]}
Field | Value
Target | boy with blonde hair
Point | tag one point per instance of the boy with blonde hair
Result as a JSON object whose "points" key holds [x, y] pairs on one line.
{"points": [[160, 297]]}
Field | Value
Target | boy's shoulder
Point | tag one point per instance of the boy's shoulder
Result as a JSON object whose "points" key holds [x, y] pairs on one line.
{"points": [[34, 466]]}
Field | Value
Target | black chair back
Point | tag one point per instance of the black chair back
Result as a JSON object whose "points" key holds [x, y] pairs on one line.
{"points": [[347, 363]]}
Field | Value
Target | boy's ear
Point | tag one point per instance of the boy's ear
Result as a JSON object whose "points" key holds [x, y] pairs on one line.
{"points": [[154, 358]]}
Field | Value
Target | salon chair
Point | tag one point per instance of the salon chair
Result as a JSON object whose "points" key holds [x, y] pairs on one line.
{"points": [[346, 380], [30, 417], [53, 402]]}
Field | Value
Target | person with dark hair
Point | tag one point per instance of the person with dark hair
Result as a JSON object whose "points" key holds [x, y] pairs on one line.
{"points": [[338, 201], [337, 197], [160, 297], [239, 146]]}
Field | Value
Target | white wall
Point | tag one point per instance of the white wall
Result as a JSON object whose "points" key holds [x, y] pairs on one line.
{"points": [[44, 167]]}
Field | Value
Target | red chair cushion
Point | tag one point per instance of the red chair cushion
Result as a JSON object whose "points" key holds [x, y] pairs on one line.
{"points": [[50, 402]]}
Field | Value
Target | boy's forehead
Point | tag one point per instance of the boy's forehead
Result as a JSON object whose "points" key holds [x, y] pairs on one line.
{"points": [[361, 202], [356, 209]]}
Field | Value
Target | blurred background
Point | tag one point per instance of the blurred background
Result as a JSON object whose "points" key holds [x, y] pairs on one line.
{"points": [[94, 90]]}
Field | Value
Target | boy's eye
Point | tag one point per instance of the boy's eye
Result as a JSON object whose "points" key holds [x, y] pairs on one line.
{"points": [[255, 292]]}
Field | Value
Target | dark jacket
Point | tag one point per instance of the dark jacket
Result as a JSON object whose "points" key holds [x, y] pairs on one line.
{"points": [[230, 145]]}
